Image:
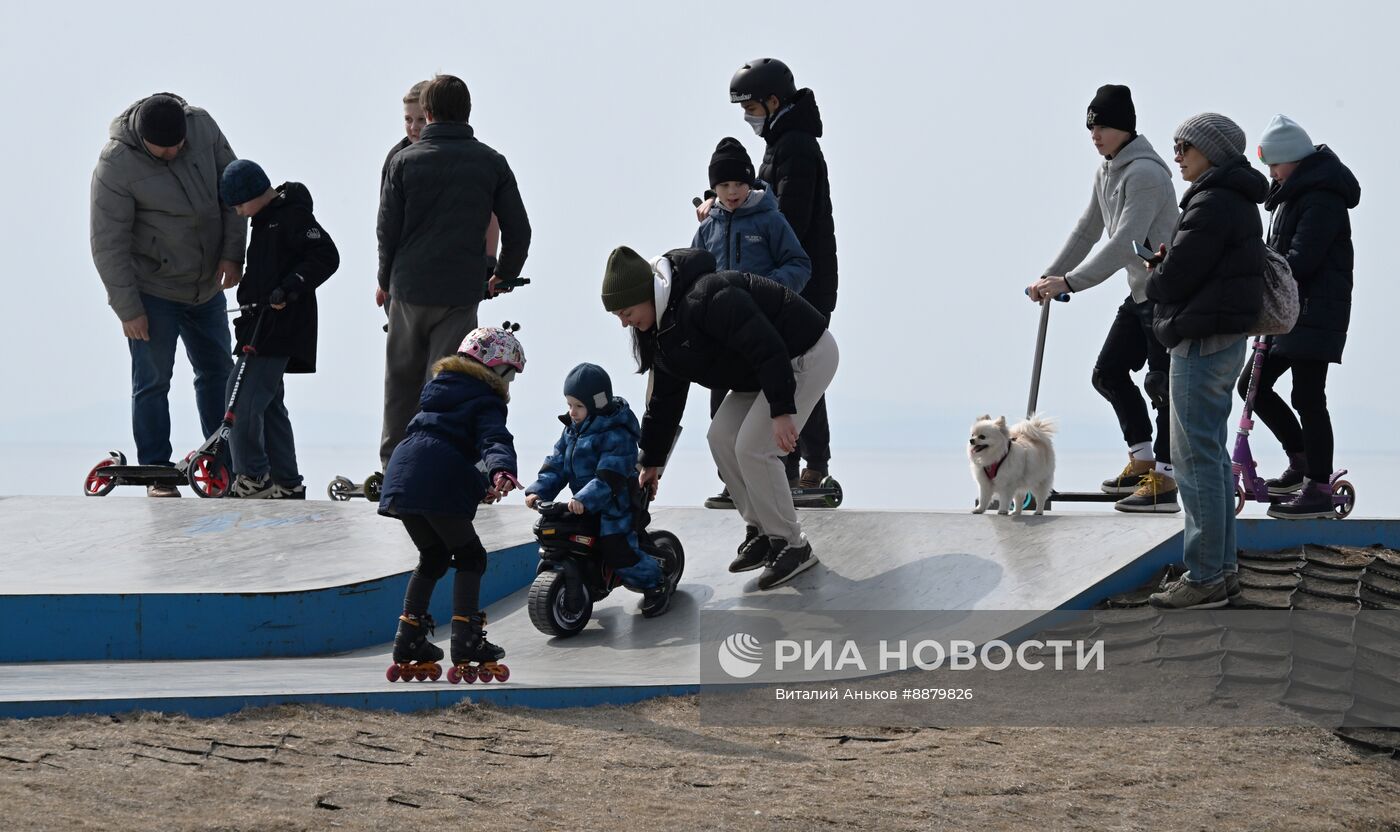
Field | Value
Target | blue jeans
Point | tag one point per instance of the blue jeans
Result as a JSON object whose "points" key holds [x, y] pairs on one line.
{"points": [[1201, 388], [204, 329], [261, 439]]}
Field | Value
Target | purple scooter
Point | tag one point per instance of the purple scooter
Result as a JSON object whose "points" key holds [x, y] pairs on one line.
{"points": [[1248, 484]]}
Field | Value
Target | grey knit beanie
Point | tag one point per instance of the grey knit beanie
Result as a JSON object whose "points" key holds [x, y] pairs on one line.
{"points": [[627, 280], [1219, 138], [1284, 140]]}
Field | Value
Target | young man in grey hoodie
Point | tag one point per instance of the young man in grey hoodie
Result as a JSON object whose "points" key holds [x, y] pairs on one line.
{"points": [[1133, 199]]}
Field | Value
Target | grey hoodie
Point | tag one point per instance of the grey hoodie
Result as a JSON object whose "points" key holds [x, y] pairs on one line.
{"points": [[1134, 199], [158, 227]]}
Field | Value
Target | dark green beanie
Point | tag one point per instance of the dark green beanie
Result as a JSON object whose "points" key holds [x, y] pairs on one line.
{"points": [[627, 280]]}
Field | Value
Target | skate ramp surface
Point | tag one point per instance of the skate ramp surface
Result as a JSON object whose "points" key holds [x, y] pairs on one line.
{"points": [[869, 561], [114, 578]]}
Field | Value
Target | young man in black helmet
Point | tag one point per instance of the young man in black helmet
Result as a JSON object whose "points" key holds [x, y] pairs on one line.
{"points": [[789, 122], [1134, 202]]}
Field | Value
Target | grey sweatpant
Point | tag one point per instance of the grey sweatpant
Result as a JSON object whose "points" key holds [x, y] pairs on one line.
{"points": [[750, 462], [418, 337]]}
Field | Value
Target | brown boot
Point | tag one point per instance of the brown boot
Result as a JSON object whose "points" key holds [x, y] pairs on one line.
{"points": [[811, 479]]}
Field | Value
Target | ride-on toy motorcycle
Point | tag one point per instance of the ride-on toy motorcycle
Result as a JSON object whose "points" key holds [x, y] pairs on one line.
{"points": [[572, 575]]}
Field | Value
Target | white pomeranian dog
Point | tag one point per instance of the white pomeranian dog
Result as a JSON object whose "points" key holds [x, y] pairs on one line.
{"points": [[1010, 462]]}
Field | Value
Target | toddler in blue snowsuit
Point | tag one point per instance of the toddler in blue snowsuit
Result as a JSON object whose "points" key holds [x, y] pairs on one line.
{"points": [[596, 457]]}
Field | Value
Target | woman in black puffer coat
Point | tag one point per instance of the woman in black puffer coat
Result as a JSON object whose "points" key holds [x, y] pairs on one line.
{"points": [[1309, 199], [1208, 288], [751, 336]]}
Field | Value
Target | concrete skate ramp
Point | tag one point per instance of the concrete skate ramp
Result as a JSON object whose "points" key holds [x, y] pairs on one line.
{"points": [[870, 561], [97, 579]]}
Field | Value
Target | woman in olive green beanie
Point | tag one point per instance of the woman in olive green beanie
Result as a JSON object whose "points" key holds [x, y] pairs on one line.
{"points": [[737, 332]]}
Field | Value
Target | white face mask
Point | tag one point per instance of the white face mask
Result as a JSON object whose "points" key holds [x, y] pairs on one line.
{"points": [[756, 122]]}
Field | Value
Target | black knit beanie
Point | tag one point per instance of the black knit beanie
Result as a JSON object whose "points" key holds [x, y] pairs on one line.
{"points": [[730, 163], [1112, 107], [160, 120]]}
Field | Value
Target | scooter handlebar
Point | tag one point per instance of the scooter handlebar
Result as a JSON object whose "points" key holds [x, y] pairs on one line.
{"points": [[1062, 297]]}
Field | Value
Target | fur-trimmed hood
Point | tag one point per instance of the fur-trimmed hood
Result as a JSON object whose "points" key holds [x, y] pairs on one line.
{"points": [[473, 369]]}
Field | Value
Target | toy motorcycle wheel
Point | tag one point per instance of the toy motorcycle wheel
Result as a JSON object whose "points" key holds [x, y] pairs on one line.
{"points": [[673, 554], [97, 485], [339, 489], [549, 607], [374, 484], [209, 476], [1240, 499], [1347, 493]]}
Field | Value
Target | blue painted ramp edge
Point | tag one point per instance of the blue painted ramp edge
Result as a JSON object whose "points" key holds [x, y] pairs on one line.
{"points": [[230, 625], [428, 696]]}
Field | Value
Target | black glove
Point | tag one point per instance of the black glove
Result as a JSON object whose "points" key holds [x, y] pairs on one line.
{"points": [[288, 292]]}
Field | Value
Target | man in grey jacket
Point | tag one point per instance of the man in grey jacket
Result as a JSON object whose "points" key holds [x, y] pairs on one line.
{"points": [[1133, 199], [166, 249], [434, 210]]}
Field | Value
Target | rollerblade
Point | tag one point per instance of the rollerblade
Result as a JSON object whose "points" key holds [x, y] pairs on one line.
{"points": [[473, 657], [415, 658]]}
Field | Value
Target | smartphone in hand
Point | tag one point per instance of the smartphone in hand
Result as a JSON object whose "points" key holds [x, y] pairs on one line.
{"points": [[1148, 256]]}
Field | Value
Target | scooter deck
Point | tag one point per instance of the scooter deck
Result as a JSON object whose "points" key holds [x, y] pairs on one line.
{"points": [[145, 474]]}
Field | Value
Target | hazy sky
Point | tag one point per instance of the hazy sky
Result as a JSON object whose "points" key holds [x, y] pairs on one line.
{"points": [[955, 139]]}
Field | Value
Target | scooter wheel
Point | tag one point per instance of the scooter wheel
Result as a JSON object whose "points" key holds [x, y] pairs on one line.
{"points": [[833, 500], [209, 476], [374, 484], [97, 485], [1344, 498], [1240, 499], [339, 489]]}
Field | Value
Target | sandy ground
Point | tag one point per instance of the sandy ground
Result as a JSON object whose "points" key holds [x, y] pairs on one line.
{"points": [[653, 766]]}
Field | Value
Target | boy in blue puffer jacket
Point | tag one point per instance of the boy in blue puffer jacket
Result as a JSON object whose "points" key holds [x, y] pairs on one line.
{"points": [[433, 485], [745, 231], [596, 457]]}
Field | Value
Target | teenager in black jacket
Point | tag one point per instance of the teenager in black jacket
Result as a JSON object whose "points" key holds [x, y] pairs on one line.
{"points": [[289, 255], [790, 124], [1208, 291], [1309, 199], [435, 209], [733, 331]]}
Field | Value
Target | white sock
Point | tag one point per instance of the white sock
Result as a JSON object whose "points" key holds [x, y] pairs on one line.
{"points": [[1142, 451], [1166, 468]]}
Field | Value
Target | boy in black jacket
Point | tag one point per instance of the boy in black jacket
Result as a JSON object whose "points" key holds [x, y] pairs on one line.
{"points": [[289, 255], [788, 120]]}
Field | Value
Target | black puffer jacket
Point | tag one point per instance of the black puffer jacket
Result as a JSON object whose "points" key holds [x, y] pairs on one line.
{"points": [[433, 213], [1312, 229], [288, 250], [1212, 279], [724, 331], [794, 165]]}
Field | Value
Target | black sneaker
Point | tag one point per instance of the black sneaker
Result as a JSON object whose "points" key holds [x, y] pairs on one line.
{"points": [[1313, 500], [787, 564], [1289, 482], [753, 552], [720, 500]]}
